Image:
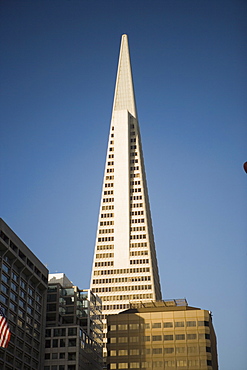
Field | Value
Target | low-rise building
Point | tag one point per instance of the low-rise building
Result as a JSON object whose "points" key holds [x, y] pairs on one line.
{"points": [[161, 335]]}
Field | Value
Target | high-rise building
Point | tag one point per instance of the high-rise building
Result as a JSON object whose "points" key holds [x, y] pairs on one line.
{"points": [[161, 335], [23, 284], [125, 265], [73, 327]]}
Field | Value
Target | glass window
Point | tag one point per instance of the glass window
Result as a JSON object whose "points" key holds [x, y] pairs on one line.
{"points": [[30, 310], [179, 324], [72, 342], [23, 284], [134, 326], [30, 291], [72, 331], [156, 337], [55, 343], [156, 325], [168, 337], [13, 296], [5, 268], [168, 324], [191, 336], [180, 349], [181, 363], [48, 332], [191, 323], [134, 365], [13, 286], [157, 351], [71, 356], [123, 365], [21, 303], [12, 306], [122, 339], [168, 350], [203, 323], [134, 352], [5, 279], [48, 343], [180, 336], [123, 327], [22, 294], [15, 276], [4, 289], [192, 349], [62, 342]]}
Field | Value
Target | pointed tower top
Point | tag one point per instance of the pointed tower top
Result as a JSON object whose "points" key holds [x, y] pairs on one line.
{"points": [[124, 98]]}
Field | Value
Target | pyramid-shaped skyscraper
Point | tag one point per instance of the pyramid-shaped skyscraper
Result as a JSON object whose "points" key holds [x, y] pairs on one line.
{"points": [[125, 264]]}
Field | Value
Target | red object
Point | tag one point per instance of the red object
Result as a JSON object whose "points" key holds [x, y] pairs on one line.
{"points": [[4, 330], [245, 167]]}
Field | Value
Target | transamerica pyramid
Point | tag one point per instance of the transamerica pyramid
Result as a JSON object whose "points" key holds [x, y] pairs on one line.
{"points": [[125, 265]]}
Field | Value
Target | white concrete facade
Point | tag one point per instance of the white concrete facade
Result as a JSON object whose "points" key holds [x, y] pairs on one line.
{"points": [[125, 265]]}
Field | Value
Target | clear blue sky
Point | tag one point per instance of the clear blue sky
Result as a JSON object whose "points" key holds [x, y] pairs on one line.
{"points": [[58, 64]]}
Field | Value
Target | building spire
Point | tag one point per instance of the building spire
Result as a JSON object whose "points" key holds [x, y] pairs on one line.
{"points": [[124, 98]]}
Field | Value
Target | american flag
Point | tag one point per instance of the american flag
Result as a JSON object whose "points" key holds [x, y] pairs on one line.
{"points": [[4, 330]]}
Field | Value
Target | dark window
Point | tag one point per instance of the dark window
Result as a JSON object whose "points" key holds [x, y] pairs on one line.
{"points": [[156, 325], [168, 324], [156, 337], [180, 336], [191, 336], [62, 343], [179, 324], [168, 337], [48, 343], [71, 356], [191, 323], [203, 323], [72, 331], [72, 342], [55, 343]]}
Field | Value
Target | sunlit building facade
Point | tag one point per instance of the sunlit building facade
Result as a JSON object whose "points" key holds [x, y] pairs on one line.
{"points": [[161, 335], [125, 265]]}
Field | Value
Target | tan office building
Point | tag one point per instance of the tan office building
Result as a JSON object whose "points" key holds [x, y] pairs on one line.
{"points": [[161, 335]]}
